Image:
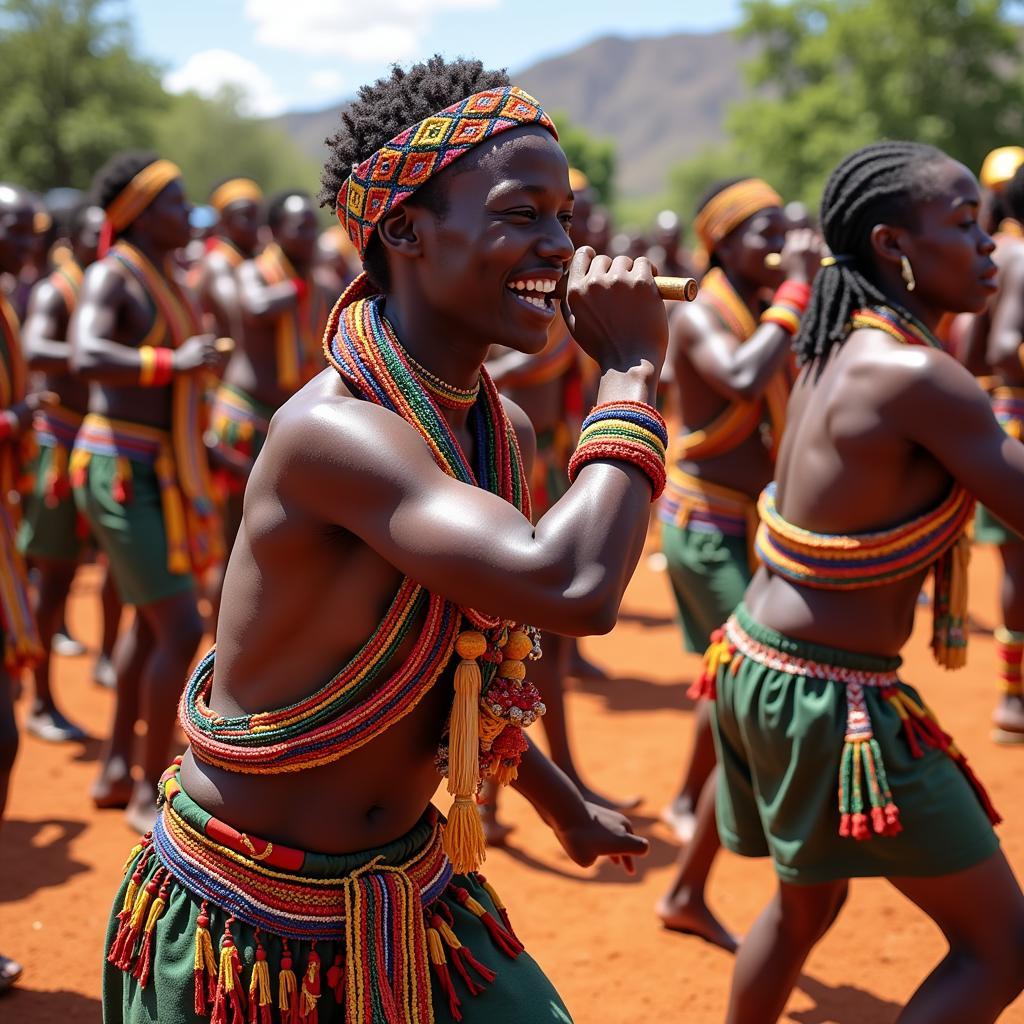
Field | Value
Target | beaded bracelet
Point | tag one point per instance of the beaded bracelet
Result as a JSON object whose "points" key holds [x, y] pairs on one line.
{"points": [[788, 306], [156, 366], [631, 432]]}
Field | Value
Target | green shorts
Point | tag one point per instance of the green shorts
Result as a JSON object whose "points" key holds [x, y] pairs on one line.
{"points": [[780, 738], [989, 529], [709, 572], [131, 533], [50, 527], [519, 992]]}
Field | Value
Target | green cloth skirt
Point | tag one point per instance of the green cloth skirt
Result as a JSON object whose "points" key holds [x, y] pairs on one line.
{"points": [[487, 982], [131, 533], [709, 572], [50, 527], [781, 741]]}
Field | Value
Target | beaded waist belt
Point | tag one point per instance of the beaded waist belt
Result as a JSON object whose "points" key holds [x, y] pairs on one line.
{"points": [[259, 881], [865, 802], [236, 416], [699, 504], [56, 426], [389, 923]]}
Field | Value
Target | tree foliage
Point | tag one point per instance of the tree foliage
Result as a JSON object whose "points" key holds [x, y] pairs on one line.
{"points": [[833, 75], [72, 91], [210, 140], [594, 156]]}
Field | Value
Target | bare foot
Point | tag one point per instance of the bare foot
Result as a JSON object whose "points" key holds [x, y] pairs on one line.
{"points": [[693, 918], [629, 803], [1009, 720], [113, 788], [50, 725], [680, 817], [10, 972], [141, 811]]}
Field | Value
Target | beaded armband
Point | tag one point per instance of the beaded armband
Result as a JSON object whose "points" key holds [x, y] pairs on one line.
{"points": [[788, 306], [155, 366], [631, 432]]}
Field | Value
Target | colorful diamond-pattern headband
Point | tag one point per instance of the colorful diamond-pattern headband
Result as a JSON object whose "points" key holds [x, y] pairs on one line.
{"points": [[413, 157]]}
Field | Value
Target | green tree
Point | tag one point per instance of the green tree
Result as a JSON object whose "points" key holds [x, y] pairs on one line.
{"points": [[72, 91], [210, 140], [594, 156], [832, 75]]}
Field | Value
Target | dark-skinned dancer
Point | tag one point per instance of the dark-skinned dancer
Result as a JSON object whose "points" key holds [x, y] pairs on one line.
{"points": [[547, 386], [21, 643], [830, 763], [51, 533], [731, 379], [994, 355], [398, 463], [139, 466], [284, 299]]}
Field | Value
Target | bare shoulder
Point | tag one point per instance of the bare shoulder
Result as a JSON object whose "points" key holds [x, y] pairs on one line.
{"points": [[46, 300], [690, 321], [104, 281]]}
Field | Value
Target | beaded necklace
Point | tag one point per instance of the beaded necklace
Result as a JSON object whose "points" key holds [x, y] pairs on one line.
{"points": [[897, 324], [448, 396]]}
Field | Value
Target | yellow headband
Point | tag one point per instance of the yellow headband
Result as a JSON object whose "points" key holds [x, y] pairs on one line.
{"points": [[578, 181], [140, 192], [731, 207], [234, 190], [1000, 166]]}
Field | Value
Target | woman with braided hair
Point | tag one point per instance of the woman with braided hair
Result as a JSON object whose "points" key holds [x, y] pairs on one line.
{"points": [[887, 441]]}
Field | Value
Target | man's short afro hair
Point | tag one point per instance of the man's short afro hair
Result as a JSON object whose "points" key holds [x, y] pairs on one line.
{"points": [[114, 175], [386, 108]]}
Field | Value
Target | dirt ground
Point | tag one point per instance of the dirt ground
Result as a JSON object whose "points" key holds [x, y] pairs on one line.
{"points": [[593, 930]]}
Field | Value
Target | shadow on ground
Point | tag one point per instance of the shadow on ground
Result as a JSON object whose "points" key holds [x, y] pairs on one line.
{"points": [[842, 1004], [25, 1004], [36, 855], [631, 693]]}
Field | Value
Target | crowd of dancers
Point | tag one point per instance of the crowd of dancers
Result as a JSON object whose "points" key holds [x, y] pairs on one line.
{"points": [[396, 511]]}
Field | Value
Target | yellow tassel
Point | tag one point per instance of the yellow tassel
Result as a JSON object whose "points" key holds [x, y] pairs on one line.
{"points": [[474, 907], [136, 850], [259, 983], [464, 842], [448, 935], [495, 898], [129, 896], [286, 988], [154, 913], [505, 774], [435, 948], [140, 907], [204, 958], [178, 560], [226, 976]]}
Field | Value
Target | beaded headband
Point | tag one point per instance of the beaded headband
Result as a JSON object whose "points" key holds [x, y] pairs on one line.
{"points": [[392, 174], [234, 190], [135, 197], [730, 208]]}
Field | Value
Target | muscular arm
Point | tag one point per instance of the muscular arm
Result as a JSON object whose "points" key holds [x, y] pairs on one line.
{"points": [[101, 308], [940, 406], [259, 299], [738, 370], [43, 332], [362, 468], [1007, 331], [222, 296]]}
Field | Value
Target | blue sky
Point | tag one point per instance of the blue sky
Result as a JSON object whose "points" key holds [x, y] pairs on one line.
{"points": [[304, 54]]}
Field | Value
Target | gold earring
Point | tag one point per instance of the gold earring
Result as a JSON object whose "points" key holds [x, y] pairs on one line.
{"points": [[907, 272]]}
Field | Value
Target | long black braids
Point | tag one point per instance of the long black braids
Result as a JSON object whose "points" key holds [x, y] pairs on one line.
{"points": [[877, 184]]}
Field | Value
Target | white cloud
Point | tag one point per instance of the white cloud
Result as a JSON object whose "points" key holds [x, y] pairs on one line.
{"points": [[326, 80], [209, 71], [354, 29]]}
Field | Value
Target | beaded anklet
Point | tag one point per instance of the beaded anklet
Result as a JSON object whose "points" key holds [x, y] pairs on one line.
{"points": [[788, 306], [631, 432]]}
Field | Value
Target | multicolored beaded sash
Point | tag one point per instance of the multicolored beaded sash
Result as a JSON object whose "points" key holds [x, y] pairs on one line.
{"points": [[389, 923], [739, 420], [691, 501], [299, 330], [865, 801], [177, 318], [237, 417], [67, 279], [1008, 409]]}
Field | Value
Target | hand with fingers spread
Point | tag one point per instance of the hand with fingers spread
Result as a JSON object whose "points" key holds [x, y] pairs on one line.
{"points": [[613, 310], [200, 352], [602, 832]]}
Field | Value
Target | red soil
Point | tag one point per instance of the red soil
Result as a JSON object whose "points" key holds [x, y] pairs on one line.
{"points": [[593, 930]]}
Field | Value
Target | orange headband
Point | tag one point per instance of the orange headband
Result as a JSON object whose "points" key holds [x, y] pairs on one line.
{"points": [[731, 207], [234, 190], [140, 192]]}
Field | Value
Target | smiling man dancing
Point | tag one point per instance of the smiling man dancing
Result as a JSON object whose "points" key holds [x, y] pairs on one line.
{"points": [[372, 626]]}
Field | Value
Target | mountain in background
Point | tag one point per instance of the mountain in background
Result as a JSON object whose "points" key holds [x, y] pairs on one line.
{"points": [[660, 100]]}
